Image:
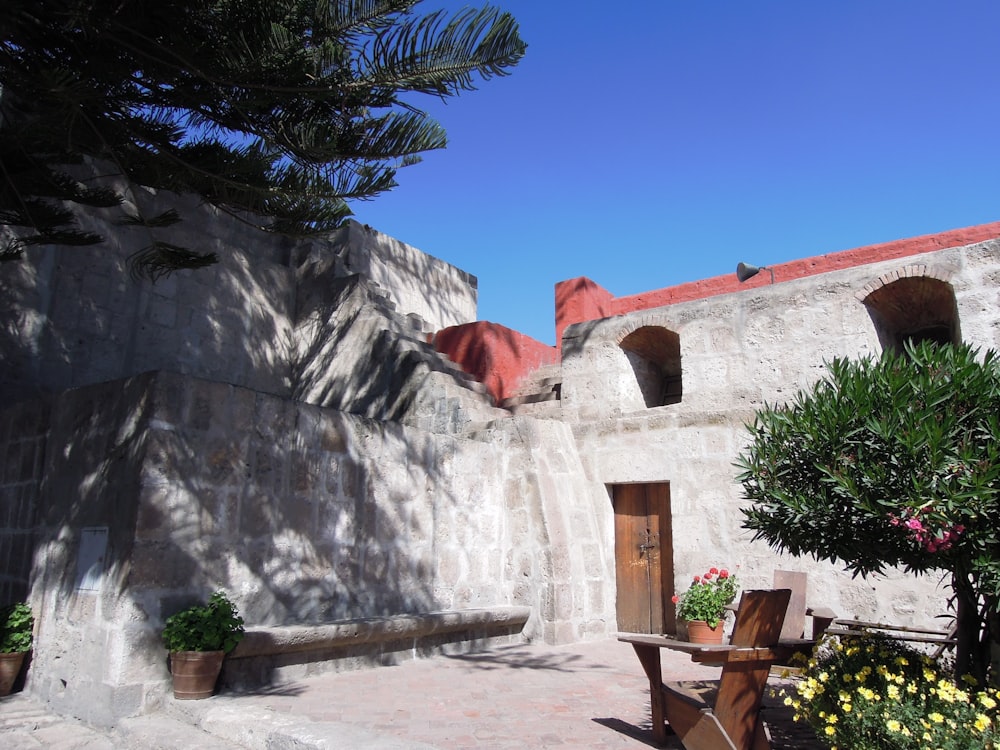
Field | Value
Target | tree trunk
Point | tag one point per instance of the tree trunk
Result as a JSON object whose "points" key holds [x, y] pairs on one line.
{"points": [[994, 644], [972, 650]]}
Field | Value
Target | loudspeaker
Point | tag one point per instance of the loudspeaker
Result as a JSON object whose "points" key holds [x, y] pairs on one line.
{"points": [[744, 271]]}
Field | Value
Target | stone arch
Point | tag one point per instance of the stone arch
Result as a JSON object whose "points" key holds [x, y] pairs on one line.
{"points": [[913, 304], [654, 352]]}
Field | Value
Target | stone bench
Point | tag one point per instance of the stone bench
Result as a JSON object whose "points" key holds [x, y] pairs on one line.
{"points": [[270, 655]]}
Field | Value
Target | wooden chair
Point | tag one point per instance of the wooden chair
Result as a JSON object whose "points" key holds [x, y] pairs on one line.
{"points": [[726, 718], [795, 618]]}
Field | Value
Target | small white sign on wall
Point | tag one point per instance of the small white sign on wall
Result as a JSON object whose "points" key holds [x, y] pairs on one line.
{"points": [[90, 558]]}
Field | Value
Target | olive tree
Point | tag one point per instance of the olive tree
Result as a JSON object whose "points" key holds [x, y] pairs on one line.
{"points": [[893, 461]]}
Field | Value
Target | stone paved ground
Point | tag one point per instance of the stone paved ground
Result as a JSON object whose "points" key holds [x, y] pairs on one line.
{"points": [[590, 695]]}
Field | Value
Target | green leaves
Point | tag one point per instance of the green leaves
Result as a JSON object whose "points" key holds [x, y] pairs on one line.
{"points": [[217, 626], [16, 623], [283, 109], [893, 461]]}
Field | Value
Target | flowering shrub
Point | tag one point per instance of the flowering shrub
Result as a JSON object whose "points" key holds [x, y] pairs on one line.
{"points": [[872, 692], [921, 533], [708, 596]]}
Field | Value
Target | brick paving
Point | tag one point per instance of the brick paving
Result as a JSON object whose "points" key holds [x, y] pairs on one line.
{"points": [[588, 695]]}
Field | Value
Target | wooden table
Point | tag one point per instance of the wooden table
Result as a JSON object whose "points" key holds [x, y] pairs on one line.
{"points": [[739, 704], [731, 720]]}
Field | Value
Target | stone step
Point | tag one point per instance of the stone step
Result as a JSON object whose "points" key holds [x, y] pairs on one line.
{"points": [[163, 732], [550, 409], [255, 728], [539, 385], [439, 362], [531, 398]]}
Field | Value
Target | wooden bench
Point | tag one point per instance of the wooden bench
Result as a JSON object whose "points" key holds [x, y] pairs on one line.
{"points": [[727, 718], [277, 654], [941, 639]]}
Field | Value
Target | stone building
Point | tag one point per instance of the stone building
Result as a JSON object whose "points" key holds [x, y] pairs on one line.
{"points": [[324, 430]]}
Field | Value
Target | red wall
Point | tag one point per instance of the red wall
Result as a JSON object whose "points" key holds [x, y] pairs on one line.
{"points": [[571, 309], [501, 357], [497, 356]]}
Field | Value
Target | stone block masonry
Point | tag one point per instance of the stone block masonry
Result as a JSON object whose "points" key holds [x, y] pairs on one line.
{"points": [[304, 515]]}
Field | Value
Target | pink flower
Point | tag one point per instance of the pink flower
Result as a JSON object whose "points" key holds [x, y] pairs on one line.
{"points": [[675, 598], [914, 523]]}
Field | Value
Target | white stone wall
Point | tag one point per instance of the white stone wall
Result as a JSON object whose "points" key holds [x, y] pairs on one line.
{"points": [[73, 315], [302, 514], [739, 351], [440, 294]]}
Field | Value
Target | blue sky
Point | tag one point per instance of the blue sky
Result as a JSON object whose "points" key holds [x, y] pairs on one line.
{"points": [[644, 144]]}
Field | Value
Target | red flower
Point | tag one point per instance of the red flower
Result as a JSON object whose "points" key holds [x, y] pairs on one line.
{"points": [[708, 576], [675, 598], [723, 574], [714, 571], [697, 579]]}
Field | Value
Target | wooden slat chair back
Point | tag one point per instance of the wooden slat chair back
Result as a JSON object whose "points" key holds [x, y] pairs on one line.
{"points": [[795, 616], [732, 721]]}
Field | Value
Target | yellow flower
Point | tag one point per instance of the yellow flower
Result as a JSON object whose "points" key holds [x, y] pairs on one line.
{"points": [[830, 731], [982, 721], [846, 708], [831, 719], [892, 691], [987, 701], [893, 725], [901, 661], [935, 717]]}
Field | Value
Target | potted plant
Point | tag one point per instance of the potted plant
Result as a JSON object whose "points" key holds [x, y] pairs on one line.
{"points": [[198, 638], [704, 604], [16, 624]]}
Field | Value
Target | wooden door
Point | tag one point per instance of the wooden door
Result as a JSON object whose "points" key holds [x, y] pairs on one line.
{"points": [[644, 559]]}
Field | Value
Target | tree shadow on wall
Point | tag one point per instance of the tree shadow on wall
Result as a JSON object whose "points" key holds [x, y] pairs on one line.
{"points": [[209, 476]]}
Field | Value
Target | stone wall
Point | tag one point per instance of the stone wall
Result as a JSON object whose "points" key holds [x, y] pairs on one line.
{"points": [[23, 432], [437, 293], [303, 514], [739, 351], [73, 316]]}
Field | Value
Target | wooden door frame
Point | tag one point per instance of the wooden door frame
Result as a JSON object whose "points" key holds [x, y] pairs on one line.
{"points": [[654, 501]]}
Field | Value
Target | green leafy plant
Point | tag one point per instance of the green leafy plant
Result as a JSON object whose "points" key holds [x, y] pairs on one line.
{"points": [[872, 692], [279, 112], [16, 623], [708, 596], [891, 462], [216, 626]]}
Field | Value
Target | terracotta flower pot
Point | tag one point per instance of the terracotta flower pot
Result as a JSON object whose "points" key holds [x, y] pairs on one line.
{"points": [[10, 668], [195, 673], [700, 632]]}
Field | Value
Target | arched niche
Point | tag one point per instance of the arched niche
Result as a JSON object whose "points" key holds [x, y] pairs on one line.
{"points": [[912, 309], [654, 353]]}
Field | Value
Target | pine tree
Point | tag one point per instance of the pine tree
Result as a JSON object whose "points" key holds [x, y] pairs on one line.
{"points": [[278, 112]]}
